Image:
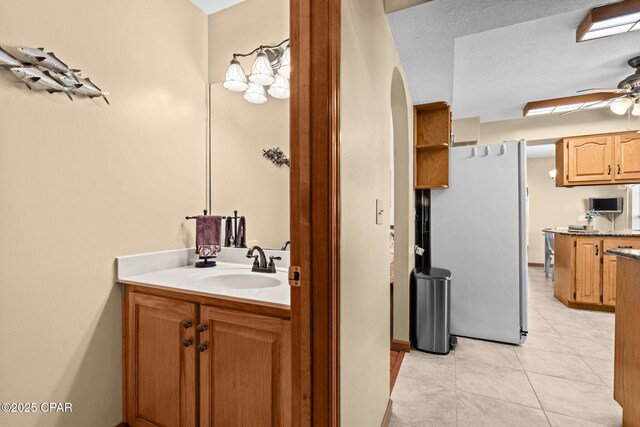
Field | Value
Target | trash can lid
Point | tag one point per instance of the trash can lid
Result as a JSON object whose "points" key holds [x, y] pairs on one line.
{"points": [[433, 273]]}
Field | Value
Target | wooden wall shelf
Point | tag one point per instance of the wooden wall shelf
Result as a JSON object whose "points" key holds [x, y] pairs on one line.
{"points": [[432, 135]]}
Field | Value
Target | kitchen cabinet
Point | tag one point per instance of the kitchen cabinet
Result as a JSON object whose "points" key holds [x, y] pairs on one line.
{"points": [[588, 270], [626, 383], [200, 360], [598, 159], [432, 135], [627, 155], [585, 276]]}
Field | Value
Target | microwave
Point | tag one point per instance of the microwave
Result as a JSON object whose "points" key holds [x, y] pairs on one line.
{"points": [[605, 204]]}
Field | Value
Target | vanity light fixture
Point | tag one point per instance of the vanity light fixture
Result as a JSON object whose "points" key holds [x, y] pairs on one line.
{"points": [[609, 20], [569, 104], [636, 109], [269, 73]]}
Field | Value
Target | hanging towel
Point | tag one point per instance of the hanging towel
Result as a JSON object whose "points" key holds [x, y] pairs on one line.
{"points": [[208, 235], [228, 232], [241, 233]]}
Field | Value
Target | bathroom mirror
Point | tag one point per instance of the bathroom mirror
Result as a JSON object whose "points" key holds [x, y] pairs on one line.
{"points": [[241, 178]]}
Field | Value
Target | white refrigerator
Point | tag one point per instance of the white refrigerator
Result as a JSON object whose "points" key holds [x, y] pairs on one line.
{"points": [[478, 231]]}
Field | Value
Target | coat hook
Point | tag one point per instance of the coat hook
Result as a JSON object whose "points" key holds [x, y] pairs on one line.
{"points": [[503, 149], [487, 150]]}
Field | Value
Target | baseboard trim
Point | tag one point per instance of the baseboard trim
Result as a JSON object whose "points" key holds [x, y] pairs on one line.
{"points": [[398, 345], [387, 414], [536, 264]]}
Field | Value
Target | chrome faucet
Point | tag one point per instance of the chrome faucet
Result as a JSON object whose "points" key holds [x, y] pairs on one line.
{"points": [[260, 261]]}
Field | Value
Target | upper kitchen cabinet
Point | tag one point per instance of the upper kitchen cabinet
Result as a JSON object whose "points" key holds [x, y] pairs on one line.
{"points": [[598, 159], [432, 134], [627, 154]]}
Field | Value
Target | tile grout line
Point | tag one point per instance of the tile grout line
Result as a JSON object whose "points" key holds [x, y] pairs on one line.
{"points": [[533, 388]]}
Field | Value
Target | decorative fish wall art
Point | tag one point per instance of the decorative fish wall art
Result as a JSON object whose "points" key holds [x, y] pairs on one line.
{"points": [[42, 70]]}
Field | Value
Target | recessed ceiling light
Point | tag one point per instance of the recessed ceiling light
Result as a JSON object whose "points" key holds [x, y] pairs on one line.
{"points": [[572, 103], [604, 21]]}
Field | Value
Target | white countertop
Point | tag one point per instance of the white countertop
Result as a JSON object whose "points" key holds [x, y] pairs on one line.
{"points": [[174, 270], [189, 278]]}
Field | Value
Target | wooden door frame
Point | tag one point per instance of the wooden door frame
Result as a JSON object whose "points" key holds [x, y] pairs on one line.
{"points": [[315, 210]]}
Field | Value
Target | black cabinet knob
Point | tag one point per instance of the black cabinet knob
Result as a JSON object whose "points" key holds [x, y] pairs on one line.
{"points": [[186, 324], [202, 347], [201, 327], [187, 342]]}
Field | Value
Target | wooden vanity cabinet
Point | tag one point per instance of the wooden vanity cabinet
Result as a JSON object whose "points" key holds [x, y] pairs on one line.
{"points": [[245, 377], [191, 360], [161, 370], [598, 159]]}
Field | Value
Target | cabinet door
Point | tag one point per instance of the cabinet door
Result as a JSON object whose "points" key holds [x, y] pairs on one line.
{"points": [[609, 280], [588, 253], [627, 149], [590, 158], [161, 367], [245, 370]]}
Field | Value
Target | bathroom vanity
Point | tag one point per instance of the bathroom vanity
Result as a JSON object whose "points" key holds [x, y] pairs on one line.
{"points": [[206, 347]]}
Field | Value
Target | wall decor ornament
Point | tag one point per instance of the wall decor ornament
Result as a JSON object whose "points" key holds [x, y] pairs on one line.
{"points": [[40, 70], [277, 157]]}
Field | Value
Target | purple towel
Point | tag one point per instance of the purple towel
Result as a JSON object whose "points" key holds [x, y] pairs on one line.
{"points": [[208, 236]]}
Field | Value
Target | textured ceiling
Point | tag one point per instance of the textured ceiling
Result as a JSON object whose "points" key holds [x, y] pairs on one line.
{"points": [[213, 6], [488, 58]]}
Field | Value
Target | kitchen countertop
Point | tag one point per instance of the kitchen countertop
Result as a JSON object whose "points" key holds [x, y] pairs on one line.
{"points": [[620, 233], [626, 253], [191, 279]]}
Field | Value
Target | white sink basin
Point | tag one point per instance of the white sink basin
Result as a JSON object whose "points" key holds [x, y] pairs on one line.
{"points": [[239, 281]]}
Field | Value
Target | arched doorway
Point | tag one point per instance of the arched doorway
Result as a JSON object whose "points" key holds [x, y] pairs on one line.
{"points": [[402, 196]]}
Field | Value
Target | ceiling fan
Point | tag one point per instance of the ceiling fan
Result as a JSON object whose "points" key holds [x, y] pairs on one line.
{"points": [[629, 90]]}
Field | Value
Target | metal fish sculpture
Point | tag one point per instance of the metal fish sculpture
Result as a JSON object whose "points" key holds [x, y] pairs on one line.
{"points": [[33, 77], [47, 60], [68, 80], [6, 60], [89, 89]]}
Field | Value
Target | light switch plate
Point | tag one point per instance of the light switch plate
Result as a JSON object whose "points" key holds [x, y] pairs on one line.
{"points": [[379, 211]]}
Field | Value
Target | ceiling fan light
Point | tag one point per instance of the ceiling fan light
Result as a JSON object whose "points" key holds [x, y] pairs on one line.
{"points": [[235, 79], [621, 106], [255, 94], [285, 64], [614, 18], [261, 71], [636, 109], [280, 89]]}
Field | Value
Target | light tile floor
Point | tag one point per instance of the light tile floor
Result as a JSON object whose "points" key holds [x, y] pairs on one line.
{"points": [[562, 375]]}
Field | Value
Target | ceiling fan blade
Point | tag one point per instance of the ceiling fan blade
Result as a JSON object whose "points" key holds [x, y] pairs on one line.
{"points": [[583, 108], [603, 90]]}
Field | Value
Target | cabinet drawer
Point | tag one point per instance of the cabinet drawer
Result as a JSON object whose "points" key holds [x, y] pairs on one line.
{"points": [[621, 243]]}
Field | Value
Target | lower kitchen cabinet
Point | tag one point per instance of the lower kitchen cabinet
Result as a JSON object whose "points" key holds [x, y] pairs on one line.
{"points": [[585, 276], [197, 363], [588, 254]]}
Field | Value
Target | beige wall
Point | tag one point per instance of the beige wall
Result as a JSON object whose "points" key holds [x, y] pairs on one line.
{"points": [[82, 182], [550, 206], [368, 62], [542, 127], [241, 178]]}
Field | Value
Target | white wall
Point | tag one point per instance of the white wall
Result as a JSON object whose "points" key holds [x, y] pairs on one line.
{"points": [[368, 62], [550, 206], [82, 182], [241, 179]]}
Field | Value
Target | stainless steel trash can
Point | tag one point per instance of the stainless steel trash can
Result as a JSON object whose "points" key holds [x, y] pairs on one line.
{"points": [[432, 310]]}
